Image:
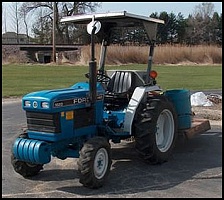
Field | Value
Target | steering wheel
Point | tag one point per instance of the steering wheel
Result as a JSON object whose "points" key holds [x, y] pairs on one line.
{"points": [[100, 77]]}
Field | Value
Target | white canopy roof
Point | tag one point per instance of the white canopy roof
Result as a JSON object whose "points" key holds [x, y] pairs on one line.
{"points": [[118, 19]]}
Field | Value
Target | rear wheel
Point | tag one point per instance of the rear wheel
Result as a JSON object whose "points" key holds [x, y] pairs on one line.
{"points": [[94, 162], [155, 129]]}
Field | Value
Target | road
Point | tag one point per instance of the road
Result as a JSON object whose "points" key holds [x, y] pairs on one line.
{"points": [[194, 171]]}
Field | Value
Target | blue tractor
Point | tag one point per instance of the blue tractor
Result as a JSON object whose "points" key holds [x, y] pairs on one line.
{"points": [[81, 121]]}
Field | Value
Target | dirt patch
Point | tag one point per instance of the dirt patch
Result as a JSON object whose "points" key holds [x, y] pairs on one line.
{"points": [[11, 99], [212, 113], [208, 112]]}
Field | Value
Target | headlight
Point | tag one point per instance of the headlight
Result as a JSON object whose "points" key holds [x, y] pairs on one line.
{"points": [[27, 103], [45, 105]]}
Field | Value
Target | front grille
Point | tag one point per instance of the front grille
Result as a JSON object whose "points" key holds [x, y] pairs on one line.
{"points": [[83, 117], [43, 122]]}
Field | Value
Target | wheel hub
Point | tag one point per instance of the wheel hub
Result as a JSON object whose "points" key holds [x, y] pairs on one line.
{"points": [[100, 163]]}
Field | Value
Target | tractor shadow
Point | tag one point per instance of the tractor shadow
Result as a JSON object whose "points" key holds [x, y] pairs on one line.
{"points": [[129, 174]]}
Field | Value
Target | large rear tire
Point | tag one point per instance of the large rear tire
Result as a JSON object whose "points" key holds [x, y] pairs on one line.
{"points": [[94, 162], [155, 129]]}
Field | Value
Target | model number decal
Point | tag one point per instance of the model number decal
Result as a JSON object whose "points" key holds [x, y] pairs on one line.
{"points": [[58, 104], [70, 102]]}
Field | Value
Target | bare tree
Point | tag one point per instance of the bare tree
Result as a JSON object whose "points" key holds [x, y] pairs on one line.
{"points": [[200, 24], [62, 9], [26, 18], [204, 10], [4, 18], [14, 14]]}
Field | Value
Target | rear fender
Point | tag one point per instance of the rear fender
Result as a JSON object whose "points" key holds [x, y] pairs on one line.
{"points": [[134, 103]]}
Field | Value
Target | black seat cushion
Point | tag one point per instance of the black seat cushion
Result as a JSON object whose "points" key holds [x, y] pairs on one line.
{"points": [[120, 82], [119, 89]]}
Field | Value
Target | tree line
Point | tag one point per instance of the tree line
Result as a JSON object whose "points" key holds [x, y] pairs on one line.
{"points": [[204, 26]]}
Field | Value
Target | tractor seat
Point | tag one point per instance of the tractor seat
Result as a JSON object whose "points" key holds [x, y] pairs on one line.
{"points": [[119, 89]]}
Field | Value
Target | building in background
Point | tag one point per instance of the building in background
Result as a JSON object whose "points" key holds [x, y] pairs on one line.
{"points": [[13, 38]]}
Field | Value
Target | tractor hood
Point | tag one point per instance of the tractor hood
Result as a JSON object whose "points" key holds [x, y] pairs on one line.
{"points": [[56, 100]]}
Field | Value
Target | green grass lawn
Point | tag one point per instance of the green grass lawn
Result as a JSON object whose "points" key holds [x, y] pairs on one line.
{"points": [[18, 80]]}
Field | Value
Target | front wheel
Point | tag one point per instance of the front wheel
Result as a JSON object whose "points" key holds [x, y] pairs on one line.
{"points": [[94, 162], [24, 168], [155, 129]]}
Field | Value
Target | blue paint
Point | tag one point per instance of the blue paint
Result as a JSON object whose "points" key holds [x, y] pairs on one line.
{"points": [[68, 140], [181, 100]]}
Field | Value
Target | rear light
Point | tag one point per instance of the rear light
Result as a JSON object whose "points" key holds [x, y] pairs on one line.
{"points": [[153, 74]]}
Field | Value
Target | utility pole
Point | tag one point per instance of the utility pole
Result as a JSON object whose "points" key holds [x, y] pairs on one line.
{"points": [[54, 32]]}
